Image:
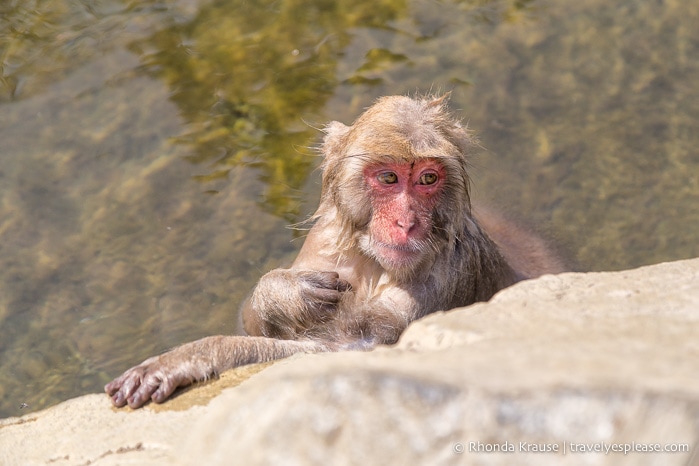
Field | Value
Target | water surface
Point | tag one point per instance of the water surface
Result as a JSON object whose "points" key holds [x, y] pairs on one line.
{"points": [[153, 152]]}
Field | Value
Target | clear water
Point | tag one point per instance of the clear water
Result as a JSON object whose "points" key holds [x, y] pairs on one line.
{"points": [[153, 152]]}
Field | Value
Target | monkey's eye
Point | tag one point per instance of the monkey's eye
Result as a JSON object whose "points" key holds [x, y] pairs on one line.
{"points": [[387, 178], [428, 178]]}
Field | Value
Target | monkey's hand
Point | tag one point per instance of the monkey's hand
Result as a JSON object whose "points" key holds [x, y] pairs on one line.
{"points": [[321, 291], [156, 378], [288, 302]]}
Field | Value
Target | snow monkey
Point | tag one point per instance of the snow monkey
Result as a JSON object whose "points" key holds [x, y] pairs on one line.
{"points": [[394, 238]]}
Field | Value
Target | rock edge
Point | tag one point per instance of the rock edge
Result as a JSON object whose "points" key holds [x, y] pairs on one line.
{"points": [[592, 360]]}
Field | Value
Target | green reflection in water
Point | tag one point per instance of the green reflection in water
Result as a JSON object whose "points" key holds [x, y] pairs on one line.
{"points": [[244, 73], [154, 151]]}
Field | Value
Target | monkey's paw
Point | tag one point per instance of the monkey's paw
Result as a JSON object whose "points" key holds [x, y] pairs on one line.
{"points": [[153, 379], [322, 290]]}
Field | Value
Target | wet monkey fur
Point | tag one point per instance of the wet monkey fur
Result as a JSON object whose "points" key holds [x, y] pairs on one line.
{"points": [[394, 238]]}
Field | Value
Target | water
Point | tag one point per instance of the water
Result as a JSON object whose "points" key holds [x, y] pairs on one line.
{"points": [[153, 152]]}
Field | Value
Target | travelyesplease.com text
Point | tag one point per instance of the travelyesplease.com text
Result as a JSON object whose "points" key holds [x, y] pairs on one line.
{"points": [[571, 447]]}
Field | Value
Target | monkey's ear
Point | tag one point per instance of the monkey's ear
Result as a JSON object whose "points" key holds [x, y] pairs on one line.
{"points": [[334, 133], [438, 101]]}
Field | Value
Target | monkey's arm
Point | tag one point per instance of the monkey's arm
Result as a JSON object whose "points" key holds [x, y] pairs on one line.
{"points": [[286, 303], [157, 377]]}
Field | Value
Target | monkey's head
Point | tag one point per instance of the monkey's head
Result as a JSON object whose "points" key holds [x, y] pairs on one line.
{"points": [[396, 181]]}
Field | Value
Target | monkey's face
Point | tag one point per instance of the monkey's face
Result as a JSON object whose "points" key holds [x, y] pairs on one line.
{"points": [[403, 196], [395, 182]]}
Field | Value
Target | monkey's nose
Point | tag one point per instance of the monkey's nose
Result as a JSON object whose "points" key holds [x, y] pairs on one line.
{"points": [[406, 224]]}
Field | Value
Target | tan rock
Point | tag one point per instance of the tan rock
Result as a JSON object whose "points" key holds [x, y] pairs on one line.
{"points": [[570, 362]]}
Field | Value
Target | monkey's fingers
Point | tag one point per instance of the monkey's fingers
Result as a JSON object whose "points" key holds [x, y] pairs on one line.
{"points": [[328, 280], [343, 285], [112, 387], [121, 388], [156, 386], [323, 295], [319, 279]]}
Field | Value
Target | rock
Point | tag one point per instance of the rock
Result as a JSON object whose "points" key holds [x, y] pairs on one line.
{"points": [[563, 364]]}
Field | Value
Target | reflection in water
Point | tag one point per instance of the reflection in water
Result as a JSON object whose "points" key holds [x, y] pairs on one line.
{"points": [[154, 151], [243, 74]]}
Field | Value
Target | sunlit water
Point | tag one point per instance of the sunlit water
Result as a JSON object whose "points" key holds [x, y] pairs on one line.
{"points": [[153, 152]]}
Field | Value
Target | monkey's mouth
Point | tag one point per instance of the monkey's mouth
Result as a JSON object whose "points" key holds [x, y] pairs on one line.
{"points": [[410, 248], [398, 255]]}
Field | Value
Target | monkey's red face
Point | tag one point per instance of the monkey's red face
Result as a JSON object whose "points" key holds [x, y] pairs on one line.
{"points": [[403, 195]]}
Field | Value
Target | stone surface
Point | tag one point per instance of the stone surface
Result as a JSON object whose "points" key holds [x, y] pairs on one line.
{"points": [[568, 362]]}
